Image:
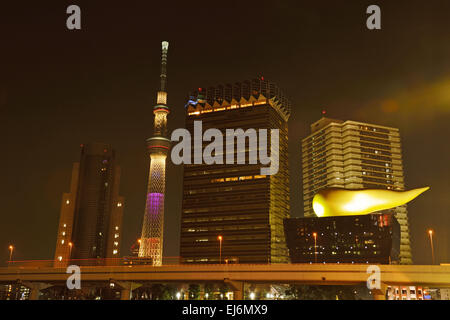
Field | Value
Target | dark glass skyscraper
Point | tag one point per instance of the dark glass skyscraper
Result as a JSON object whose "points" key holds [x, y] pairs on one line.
{"points": [[372, 238], [235, 201], [91, 214]]}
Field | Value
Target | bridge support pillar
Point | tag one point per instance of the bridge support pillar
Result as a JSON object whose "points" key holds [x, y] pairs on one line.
{"points": [[35, 288], [125, 294], [126, 288], [238, 289]]}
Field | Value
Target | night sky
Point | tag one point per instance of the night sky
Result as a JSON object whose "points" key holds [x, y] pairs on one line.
{"points": [[61, 88]]}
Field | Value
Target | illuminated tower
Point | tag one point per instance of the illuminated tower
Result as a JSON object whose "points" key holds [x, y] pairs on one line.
{"points": [[158, 147]]}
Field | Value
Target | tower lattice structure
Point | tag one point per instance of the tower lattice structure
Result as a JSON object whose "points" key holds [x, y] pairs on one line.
{"points": [[158, 147]]}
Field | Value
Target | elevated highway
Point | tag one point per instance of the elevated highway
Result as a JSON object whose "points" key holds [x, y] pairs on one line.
{"points": [[234, 274]]}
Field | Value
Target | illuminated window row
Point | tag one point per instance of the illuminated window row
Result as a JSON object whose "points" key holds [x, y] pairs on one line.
{"points": [[230, 238], [221, 189], [241, 227], [241, 178], [242, 217], [222, 108]]}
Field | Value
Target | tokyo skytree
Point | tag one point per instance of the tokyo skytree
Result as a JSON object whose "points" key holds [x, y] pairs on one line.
{"points": [[151, 244]]}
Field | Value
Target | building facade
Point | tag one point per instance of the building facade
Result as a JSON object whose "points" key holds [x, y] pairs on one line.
{"points": [[355, 155], [372, 238], [231, 212], [90, 223], [158, 145]]}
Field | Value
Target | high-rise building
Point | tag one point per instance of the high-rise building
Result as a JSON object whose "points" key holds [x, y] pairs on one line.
{"points": [[371, 238], [158, 146], [233, 212], [354, 155], [90, 224]]}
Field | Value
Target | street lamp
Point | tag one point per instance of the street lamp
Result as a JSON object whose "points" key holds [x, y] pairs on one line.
{"points": [[220, 248], [430, 233], [11, 249], [315, 246]]}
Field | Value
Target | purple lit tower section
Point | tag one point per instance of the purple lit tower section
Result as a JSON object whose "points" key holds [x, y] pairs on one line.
{"points": [[158, 148]]}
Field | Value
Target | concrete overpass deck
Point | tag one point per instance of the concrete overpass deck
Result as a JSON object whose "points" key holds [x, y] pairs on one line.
{"points": [[237, 274]]}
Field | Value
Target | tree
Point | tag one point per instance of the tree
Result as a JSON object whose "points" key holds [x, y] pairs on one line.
{"points": [[169, 292], [194, 291], [208, 288], [223, 289], [306, 292], [157, 291]]}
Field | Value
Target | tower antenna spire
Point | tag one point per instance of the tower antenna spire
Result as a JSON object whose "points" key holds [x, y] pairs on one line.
{"points": [[163, 76]]}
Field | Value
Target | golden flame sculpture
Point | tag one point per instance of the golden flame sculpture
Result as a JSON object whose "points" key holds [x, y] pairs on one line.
{"points": [[343, 202]]}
